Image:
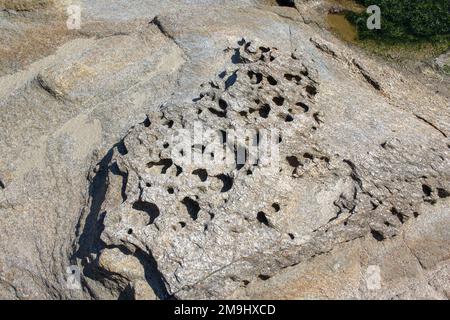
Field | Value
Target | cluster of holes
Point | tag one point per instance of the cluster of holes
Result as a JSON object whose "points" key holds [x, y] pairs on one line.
{"points": [[402, 218], [258, 78], [264, 110]]}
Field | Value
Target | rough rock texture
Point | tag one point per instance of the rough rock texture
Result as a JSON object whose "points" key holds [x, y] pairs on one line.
{"points": [[212, 227], [86, 116]]}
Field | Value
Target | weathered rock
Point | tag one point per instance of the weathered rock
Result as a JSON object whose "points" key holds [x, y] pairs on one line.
{"points": [[214, 227]]}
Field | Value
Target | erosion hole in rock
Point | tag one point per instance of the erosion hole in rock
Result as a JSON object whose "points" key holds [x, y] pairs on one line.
{"points": [[165, 164], [308, 155], [170, 190], [291, 77], [426, 190], [179, 170], [262, 218], [291, 236], [293, 161], [289, 118], [130, 231], [122, 148], [223, 104], [169, 123], [237, 58], [192, 207], [272, 81], [149, 208], [276, 207], [116, 171], [316, 117], [227, 182], [165, 145], [220, 114], [377, 235], [264, 111], [442, 193], [286, 3], [201, 173], [2, 185], [231, 80], [326, 159], [264, 277], [182, 224], [255, 77], [398, 214], [303, 106], [147, 123], [311, 90], [279, 101]]}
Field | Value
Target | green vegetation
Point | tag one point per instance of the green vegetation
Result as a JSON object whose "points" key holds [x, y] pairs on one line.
{"points": [[404, 21], [446, 69]]}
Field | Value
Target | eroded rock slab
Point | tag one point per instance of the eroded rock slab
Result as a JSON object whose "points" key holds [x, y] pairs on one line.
{"points": [[212, 228]]}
